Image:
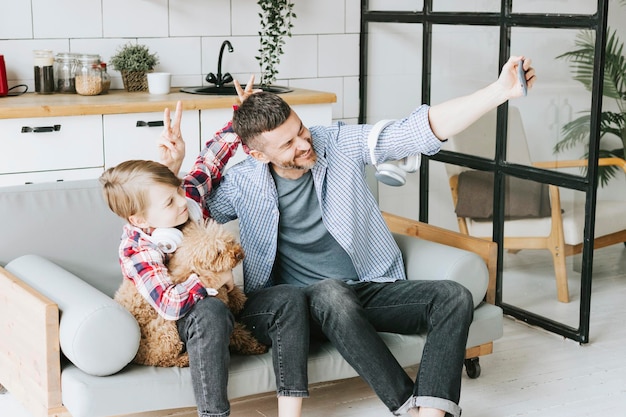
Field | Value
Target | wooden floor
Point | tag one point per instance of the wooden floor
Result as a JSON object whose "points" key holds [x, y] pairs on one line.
{"points": [[530, 373]]}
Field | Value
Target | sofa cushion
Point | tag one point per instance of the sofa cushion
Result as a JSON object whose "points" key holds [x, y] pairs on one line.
{"points": [[97, 334]]}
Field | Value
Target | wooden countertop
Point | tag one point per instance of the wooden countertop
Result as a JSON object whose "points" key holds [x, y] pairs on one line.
{"points": [[121, 101]]}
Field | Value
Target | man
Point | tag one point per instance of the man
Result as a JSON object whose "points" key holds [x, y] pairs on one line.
{"points": [[308, 220]]}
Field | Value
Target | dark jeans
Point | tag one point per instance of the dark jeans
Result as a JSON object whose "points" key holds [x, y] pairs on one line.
{"points": [[277, 316], [350, 315]]}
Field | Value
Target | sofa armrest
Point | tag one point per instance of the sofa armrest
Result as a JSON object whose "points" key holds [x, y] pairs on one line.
{"points": [[30, 363], [487, 250], [97, 334]]}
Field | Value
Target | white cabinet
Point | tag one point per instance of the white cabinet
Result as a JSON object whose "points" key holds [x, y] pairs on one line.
{"points": [[135, 136], [50, 149]]}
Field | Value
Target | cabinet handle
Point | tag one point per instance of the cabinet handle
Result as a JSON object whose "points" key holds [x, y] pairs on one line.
{"points": [[41, 129], [155, 123]]}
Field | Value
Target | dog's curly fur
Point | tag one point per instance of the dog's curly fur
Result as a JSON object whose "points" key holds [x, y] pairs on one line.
{"points": [[206, 250]]}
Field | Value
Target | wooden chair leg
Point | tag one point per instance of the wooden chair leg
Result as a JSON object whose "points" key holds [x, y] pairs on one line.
{"points": [[560, 271]]}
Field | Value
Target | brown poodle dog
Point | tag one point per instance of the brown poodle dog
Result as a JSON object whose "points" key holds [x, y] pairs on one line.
{"points": [[205, 250]]}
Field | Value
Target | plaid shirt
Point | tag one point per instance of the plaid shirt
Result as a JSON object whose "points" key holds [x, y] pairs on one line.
{"points": [[349, 211], [144, 263]]}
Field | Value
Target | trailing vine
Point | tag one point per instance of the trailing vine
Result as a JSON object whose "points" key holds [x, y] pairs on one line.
{"points": [[276, 17]]}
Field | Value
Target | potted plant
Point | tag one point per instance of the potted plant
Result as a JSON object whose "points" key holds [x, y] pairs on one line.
{"points": [[611, 122], [134, 61], [276, 16]]}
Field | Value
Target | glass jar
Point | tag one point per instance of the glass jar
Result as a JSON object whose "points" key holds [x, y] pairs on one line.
{"points": [[88, 75], [106, 78], [65, 72], [44, 71]]}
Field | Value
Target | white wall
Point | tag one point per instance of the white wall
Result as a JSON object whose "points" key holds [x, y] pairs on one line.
{"points": [[323, 53]]}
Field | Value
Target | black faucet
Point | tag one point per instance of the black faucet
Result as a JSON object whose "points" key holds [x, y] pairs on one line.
{"points": [[220, 80]]}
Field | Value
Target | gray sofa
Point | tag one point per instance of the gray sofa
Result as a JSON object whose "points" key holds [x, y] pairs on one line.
{"points": [[65, 345]]}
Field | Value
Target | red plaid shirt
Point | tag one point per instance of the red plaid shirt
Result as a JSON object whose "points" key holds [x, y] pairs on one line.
{"points": [[144, 263]]}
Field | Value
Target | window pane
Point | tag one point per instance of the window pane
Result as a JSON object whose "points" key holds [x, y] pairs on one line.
{"points": [[555, 6], [538, 126], [466, 6], [396, 5], [394, 70], [459, 68], [529, 265]]}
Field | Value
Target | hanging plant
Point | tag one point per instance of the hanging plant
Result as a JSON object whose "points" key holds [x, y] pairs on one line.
{"points": [[276, 17]]}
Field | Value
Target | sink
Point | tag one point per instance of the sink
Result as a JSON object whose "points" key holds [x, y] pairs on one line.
{"points": [[229, 90]]}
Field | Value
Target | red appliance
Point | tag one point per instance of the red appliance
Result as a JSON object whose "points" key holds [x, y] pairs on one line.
{"points": [[4, 87]]}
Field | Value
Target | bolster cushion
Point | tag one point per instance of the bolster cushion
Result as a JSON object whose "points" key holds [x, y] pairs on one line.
{"points": [[98, 335]]}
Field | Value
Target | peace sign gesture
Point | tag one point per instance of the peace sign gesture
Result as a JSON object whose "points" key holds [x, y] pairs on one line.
{"points": [[171, 144]]}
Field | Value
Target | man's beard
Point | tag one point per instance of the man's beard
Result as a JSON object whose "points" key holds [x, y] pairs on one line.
{"points": [[310, 163]]}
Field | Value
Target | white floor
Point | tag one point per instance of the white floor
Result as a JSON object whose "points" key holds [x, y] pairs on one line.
{"points": [[530, 373]]}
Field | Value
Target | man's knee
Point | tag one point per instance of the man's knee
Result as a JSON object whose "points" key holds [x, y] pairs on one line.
{"points": [[329, 292], [458, 295], [209, 313]]}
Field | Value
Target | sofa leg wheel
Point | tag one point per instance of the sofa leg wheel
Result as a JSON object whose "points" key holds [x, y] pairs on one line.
{"points": [[472, 367], [3, 390]]}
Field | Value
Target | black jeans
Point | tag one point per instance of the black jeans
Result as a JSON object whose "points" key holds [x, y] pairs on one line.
{"points": [[350, 315], [277, 316]]}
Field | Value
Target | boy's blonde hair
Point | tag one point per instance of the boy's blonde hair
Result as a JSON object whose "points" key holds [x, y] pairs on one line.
{"points": [[125, 186]]}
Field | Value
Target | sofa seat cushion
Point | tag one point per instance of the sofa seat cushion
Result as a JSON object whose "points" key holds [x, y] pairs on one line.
{"points": [[97, 334], [143, 388]]}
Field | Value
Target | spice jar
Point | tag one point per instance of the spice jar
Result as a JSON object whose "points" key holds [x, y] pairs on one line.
{"points": [[106, 78], [65, 72], [44, 71], [88, 75]]}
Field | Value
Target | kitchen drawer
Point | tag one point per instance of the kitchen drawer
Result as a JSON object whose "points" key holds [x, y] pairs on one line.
{"points": [[49, 176], [135, 136], [50, 143]]}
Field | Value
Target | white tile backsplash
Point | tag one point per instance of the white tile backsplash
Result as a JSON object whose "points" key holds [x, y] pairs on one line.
{"points": [[300, 58], [322, 16], [17, 22], [67, 19], [338, 55], [199, 18], [245, 18], [134, 18], [333, 85]]}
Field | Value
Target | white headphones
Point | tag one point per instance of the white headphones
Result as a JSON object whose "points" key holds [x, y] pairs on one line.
{"points": [[388, 173], [167, 238]]}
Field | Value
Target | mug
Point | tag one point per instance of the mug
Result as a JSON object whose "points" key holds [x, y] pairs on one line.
{"points": [[159, 82]]}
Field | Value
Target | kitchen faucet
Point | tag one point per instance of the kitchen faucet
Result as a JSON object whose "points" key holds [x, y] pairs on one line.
{"points": [[220, 80]]}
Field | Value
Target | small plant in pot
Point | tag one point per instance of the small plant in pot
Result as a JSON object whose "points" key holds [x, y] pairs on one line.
{"points": [[134, 61]]}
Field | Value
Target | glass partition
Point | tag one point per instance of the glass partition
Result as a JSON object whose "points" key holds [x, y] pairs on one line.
{"points": [[394, 77]]}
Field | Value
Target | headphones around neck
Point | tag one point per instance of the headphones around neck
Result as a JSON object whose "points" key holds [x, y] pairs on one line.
{"points": [[389, 173], [167, 238]]}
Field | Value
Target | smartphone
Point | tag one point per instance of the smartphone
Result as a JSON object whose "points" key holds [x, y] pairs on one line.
{"points": [[521, 75]]}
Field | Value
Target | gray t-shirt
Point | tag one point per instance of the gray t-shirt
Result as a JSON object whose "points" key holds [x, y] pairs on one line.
{"points": [[307, 252]]}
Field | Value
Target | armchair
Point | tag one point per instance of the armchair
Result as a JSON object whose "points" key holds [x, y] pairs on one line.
{"points": [[562, 231]]}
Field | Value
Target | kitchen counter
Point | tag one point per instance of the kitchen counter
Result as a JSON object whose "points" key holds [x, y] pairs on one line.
{"points": [[121, 101]]}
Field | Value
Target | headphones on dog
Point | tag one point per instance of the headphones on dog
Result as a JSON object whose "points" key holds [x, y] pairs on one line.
{"points": [[387, 173]]}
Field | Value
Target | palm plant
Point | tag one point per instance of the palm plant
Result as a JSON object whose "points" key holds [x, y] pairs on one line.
{"points": [[611, 123]]}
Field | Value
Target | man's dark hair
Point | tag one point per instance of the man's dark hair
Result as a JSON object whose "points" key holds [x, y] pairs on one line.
{"points": [[261, 112]]}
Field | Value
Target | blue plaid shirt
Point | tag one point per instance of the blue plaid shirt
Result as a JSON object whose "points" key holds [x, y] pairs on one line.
{"points": [[349, 211]]}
